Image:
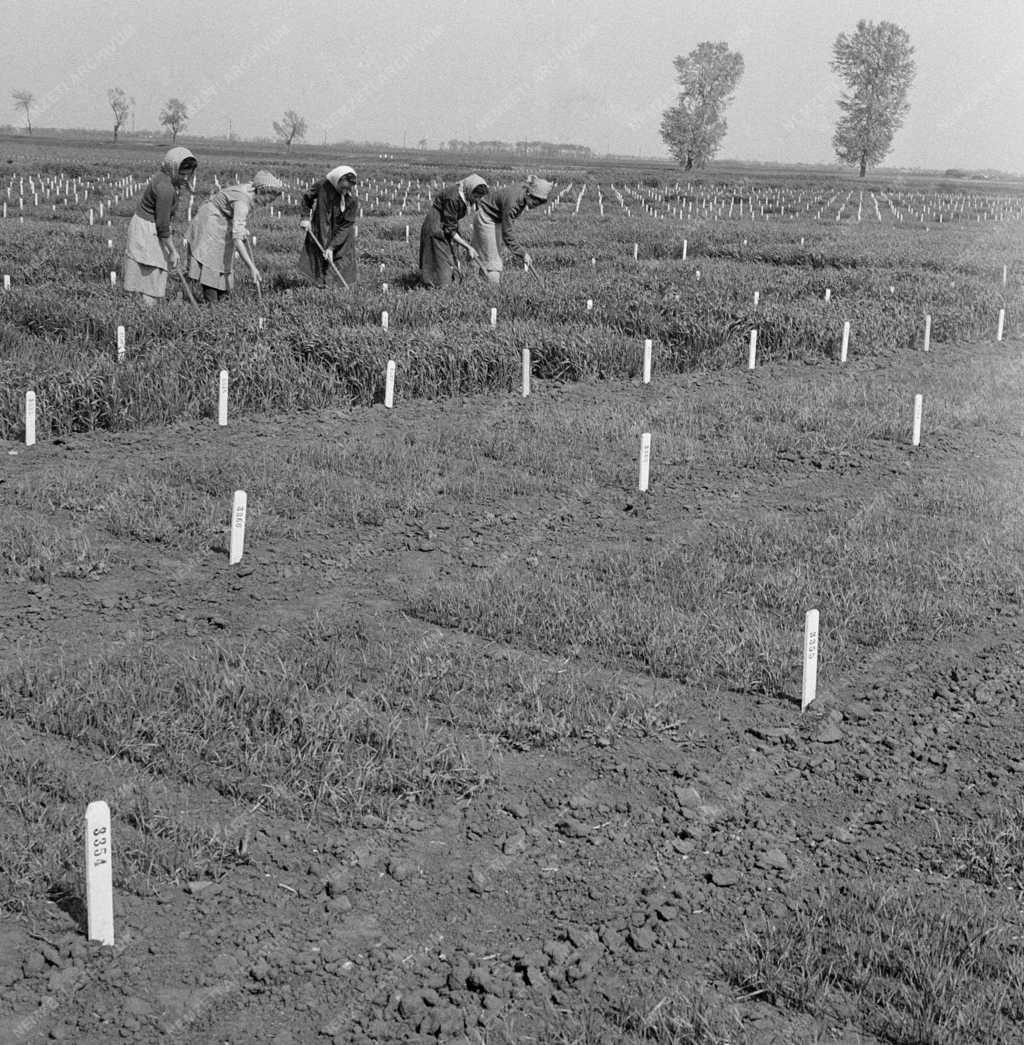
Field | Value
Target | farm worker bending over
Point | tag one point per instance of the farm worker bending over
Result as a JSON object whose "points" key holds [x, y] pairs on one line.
{"points": [[492, 223], [331, 236], [220, 228], [150, 251], [440, 230]]}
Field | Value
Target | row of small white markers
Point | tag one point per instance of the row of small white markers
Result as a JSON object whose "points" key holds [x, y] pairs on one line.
{"points": [[390, 373]]}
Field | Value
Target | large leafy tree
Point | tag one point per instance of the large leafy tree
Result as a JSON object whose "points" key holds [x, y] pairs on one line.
{"points": [[694, 127], [120, 106], [877, 65], [24, 100], [174, 117], [291, 128]]}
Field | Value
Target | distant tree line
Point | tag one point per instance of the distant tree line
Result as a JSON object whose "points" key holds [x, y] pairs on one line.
{"points": [[560, 150]]}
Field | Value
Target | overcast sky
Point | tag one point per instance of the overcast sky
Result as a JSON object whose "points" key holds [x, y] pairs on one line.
{"points": [[598, 72]]}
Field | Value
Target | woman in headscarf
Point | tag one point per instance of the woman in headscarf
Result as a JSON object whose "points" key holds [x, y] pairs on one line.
{"points": [[150, 252], [440, 231], [220, 228], [333, 210], [492, 223]]}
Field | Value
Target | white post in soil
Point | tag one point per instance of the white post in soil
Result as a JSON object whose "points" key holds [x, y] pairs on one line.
{"points": [[927, 331], [916, 435], [494, 317], [810, 673], [120, 344], [99, 878], [648, 345], [645, 461], [999, 328], [590, 304], [237, 542], [30, 419], [828, 294], [685, 246], [636, 251], [526, 372], [389, 384], [757, 298], [222, 399], [7, 283], [752, 353], [113, 279], [384, 320], [845, 348]]}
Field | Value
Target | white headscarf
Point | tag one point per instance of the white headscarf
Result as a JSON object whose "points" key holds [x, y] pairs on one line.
{"points": [[334, 176], [468, 184]]}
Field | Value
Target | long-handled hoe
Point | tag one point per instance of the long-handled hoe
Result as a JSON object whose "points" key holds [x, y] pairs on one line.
{"points": [[185, 287], [304, 224]]}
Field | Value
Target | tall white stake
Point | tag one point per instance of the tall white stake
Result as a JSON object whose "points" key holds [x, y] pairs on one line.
{"points": [[120, 344], [927, 331], [999, 328], [810, 675], [237, 543], [916, 435], [648, 345], [645, 461], [389, 384], [846, 342], [30, 419], [222, 399], [526, 371], [752, 353], [99, 878]]}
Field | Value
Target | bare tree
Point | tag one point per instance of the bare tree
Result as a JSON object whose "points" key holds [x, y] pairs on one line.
{"points": [[121, 106], [292, 128], [24, 100], [174, 117]]}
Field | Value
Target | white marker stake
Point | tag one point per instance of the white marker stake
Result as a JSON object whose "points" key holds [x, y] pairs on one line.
{"points": [[752, 354], [222, 400], [494, 317], [384, 320], [684, 249], [648, 345], [99, 879], [590, 304], [645, 461], [927, 331], [7, 283], [846, 342], [120, 344], [828, 294], [810, 682], [113, 279], [30, 419], [1004, 275], [526, 371], [383, 288], [237, 545], [389, 384], [636, 251], [916, 437], [999, 329], [757, 298]]}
